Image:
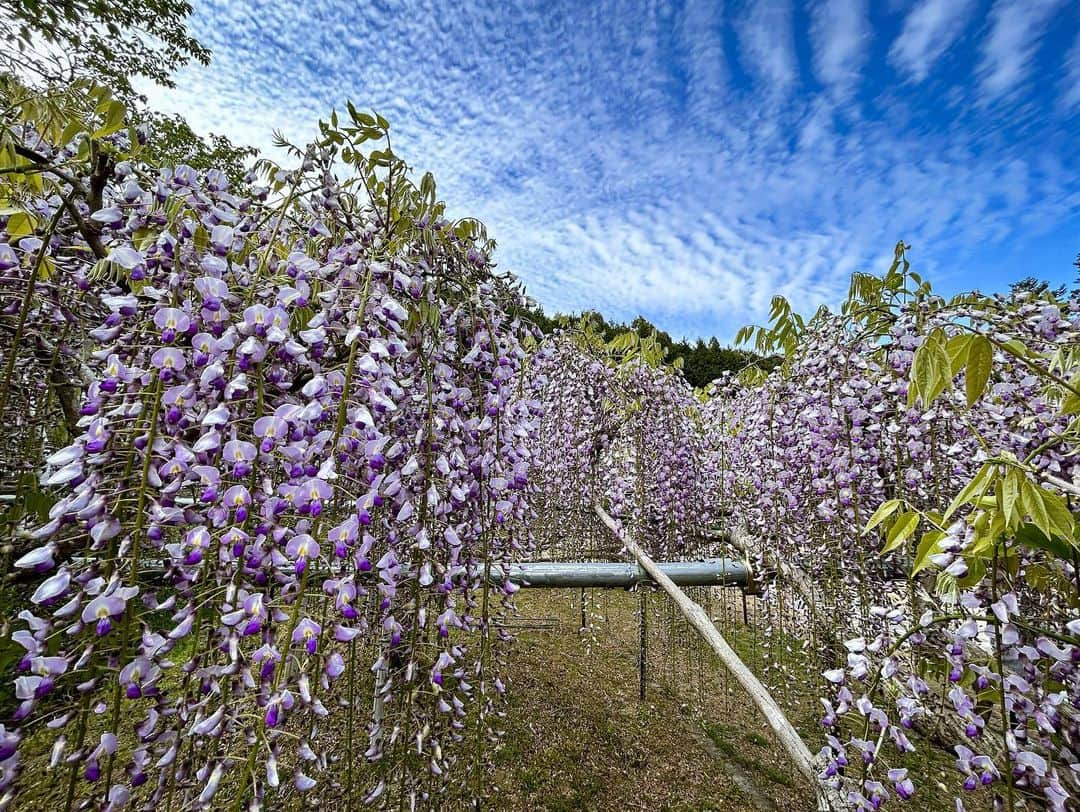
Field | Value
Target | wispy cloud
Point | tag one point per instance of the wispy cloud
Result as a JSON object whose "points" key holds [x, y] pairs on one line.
{"points": [[766, 44], [1070, 95], [701, 44], [929, 30], [668, 162], [1016, 29], [841, 34]]}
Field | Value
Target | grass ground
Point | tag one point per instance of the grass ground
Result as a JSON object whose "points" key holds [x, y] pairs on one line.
{"points": [[579, 738]]}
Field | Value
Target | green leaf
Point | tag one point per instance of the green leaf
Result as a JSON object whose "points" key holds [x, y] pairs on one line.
{"points": [[1010, 493], [70, 131], [939, 360], [1031, 499], [1071, 404], [976, 572], [972, 490], [930, 368], [1016, 347], [1031, 536], [881, 514], [114, 119], [901, 531], [957, 349], [20, 224], [982, 545], [1057, 509], [980, 362]]}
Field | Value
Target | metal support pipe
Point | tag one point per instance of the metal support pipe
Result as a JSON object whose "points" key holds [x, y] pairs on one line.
{"points": [[570, 574], [643, 642]]}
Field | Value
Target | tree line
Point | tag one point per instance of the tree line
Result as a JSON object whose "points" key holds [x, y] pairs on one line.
{"points": [[702, 361]]}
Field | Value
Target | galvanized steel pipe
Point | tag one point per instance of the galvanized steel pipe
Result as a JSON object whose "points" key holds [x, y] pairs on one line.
{"points": [[594, 574]]}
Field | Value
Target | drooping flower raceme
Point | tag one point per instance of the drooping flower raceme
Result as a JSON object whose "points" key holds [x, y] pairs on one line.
{"points": [[307, 438]]}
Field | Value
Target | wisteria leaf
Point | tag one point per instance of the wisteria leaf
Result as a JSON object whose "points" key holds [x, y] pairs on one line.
{"points": [[1010, 493], [980, 362], [1031, 536], [881, 514], [957, 348], [928, 545], [1031, 499], [980, 482], [1057, 509], [1071, 404], [902, 529]]}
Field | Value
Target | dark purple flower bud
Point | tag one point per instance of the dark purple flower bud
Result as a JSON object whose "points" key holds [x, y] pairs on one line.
{"points": [[44, 688]]}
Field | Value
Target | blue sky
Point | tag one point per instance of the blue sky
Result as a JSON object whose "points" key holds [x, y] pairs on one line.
{"points": [[688, 160]]}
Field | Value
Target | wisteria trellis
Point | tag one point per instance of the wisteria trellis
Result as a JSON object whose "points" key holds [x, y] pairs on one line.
{"points": [[309, 419]]}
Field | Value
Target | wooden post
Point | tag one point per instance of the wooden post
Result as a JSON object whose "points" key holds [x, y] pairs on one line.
{"points": [[786, 734]]}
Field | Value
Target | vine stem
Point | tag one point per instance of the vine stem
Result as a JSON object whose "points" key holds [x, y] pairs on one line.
{"points": [[294, 614], [140, 517], [1001, 692], [24, 310]]}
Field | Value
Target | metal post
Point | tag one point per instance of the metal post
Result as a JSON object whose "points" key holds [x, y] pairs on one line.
{"points": [[584, 618], [642, 644]]}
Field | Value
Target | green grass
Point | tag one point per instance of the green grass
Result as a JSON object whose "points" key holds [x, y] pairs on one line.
{"points": [[730, 743]]}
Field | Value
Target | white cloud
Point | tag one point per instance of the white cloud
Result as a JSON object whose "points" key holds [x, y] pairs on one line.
{"points": [[929, 30], [700, 34], [841, 34], [766, 44], [616, 157], [1017, 26], [1070, 89]]}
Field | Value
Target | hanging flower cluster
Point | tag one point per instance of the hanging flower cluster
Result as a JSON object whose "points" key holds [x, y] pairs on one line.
{"points": [[952, 428], [658, 473], [306, 439], [620, 429]]}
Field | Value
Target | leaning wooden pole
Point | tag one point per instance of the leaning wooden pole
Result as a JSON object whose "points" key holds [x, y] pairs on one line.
{"points": [[786, 734]]}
